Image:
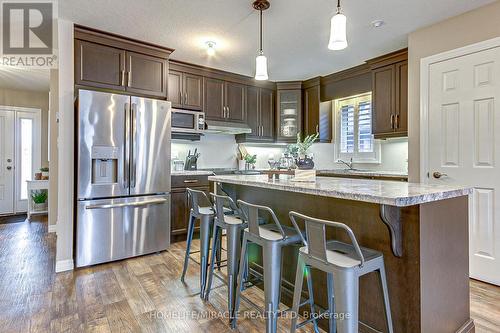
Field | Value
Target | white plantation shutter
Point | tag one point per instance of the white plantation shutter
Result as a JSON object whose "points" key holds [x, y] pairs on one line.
{"points": [[347, 129], [354, 130], [365, 137]]}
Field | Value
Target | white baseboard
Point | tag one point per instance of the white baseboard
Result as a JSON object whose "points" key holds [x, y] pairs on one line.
{"points": [[64, 265], [52, 228]]}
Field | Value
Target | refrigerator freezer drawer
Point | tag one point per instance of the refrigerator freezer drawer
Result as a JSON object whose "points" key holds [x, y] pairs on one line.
{"points": [[114, 229]]}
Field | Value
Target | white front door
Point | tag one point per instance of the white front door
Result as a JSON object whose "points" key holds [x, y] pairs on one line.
{"points": [[6, 162], [464, 147]]}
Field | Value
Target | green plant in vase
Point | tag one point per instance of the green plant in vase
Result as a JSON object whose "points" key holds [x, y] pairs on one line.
{"points": [[250, 161], [303, 161], [39, 199]]}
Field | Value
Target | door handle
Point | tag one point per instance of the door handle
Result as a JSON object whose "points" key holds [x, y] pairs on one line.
{"points": [[128, 204], [396, 123], [129, 78], [9, 160], [190, 181], [392, 121], [122, 74], [228, 112], [132, 145], [185, 98], [9, 168], [126, 146], [224, 112], [317, 128], [439, 175]]}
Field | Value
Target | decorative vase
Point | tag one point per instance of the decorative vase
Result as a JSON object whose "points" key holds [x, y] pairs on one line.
{"points": [[38, 176], [40, 206], [305, 163]]}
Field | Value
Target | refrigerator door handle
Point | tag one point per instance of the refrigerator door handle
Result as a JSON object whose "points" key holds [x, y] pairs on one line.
{"points": [[126, 148], [133, 147], [128, 204]]}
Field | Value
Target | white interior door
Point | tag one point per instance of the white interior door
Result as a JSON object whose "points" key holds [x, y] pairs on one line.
{"points": [[464, 146], [6, 162]]}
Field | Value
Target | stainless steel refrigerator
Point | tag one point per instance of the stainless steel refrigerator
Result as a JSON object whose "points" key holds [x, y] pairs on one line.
{"points": [[123, 177]]}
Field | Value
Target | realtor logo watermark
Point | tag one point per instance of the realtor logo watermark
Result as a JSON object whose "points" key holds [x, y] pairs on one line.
{"points": [[28, 33]]}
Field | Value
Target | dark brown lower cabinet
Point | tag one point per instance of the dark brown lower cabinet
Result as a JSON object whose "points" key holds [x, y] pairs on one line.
{"points": [[179, 210]]}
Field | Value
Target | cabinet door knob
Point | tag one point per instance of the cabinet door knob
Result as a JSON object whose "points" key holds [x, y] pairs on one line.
{"points": [[9, 168]]}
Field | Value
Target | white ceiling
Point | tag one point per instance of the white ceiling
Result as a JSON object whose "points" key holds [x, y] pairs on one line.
{"points": [[295, 32], [24, 79]]}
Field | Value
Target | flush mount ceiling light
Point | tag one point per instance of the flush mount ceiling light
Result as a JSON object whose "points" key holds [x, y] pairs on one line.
{"points": [[261, 60], [210, 48], [338, 30], [377, 23]]}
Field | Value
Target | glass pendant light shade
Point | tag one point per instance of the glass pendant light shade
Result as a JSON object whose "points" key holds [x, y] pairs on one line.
{"points": [[338, 32], [261, 68]]}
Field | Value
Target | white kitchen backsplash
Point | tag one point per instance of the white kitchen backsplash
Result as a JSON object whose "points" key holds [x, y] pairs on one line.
{"points": [[219, 151]]}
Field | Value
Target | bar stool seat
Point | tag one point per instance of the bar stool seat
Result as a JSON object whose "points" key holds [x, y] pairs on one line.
{"points": [[229, 219], [344, 255], [206, 210], [271, 232]]}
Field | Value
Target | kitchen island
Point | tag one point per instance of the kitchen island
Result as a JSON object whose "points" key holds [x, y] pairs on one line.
{"points": [[422, 231]]}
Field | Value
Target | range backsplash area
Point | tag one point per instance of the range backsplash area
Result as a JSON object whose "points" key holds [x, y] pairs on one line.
{"points": [[219, 151]]}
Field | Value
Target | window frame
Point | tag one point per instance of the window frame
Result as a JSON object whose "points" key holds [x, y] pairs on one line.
{"points": [[357, 157]]}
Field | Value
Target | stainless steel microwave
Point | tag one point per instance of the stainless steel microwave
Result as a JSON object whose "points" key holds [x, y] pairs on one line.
{"points": [[186, 121]]}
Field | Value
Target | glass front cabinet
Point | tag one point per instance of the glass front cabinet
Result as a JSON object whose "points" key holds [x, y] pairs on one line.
{"points": [[289, 115]]}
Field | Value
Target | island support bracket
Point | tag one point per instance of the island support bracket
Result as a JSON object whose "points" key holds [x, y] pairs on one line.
{"points": [[391, 216]]}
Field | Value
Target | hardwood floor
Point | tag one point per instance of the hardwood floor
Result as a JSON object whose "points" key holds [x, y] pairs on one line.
{"points": [[137, 295]]}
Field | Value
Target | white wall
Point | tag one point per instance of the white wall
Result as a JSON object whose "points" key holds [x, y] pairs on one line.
{"points": [[219, 151], [64, 246]]}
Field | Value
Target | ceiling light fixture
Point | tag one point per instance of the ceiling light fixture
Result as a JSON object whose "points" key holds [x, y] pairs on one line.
{"points": [[377, 23], [338, 30], [261, 60], [211, 48]]}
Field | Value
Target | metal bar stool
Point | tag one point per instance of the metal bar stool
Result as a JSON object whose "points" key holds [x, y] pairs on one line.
{"points": [[234, 226], [344, 264], [272, 238], [206, 216]]}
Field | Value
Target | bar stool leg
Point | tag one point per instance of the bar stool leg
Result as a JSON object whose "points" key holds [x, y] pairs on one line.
{"points": [[205, 224], [233, 237], [215, 242], [388, 316], [332, 327], [272, 284], [299, 277], [240, 283], [219, 249], [311, 296], [346, 290], [188, 245]]}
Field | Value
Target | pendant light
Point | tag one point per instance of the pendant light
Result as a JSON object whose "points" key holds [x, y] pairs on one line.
{"points": [[261, 60], [338, 30]]}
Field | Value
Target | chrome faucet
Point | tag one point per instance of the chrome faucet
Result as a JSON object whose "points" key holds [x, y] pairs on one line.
{"points": [[349, 165]]}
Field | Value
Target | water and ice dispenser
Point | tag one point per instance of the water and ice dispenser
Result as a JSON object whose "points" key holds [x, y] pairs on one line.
{"points": [[105, 164]]}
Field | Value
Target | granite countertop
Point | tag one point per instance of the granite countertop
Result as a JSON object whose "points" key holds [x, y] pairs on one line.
{"points": [[192, 173], [386, 192], [364, 173]]}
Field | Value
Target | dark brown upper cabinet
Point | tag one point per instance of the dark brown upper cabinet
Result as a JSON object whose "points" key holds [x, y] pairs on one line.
{"points": [[146, 75], [317, 119], [99, 66], [289, 111], [260, 115], [390, 95], [113, 62], [214, 99], [185, 90], [224, 100]]}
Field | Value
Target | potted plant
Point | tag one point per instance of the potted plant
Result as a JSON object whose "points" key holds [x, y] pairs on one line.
{"points": [[45, 173], [39, 200], [304, 161], [250, 161]]}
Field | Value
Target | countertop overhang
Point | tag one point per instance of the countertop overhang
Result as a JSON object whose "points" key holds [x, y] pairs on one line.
{"points": [[385, 192]]}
